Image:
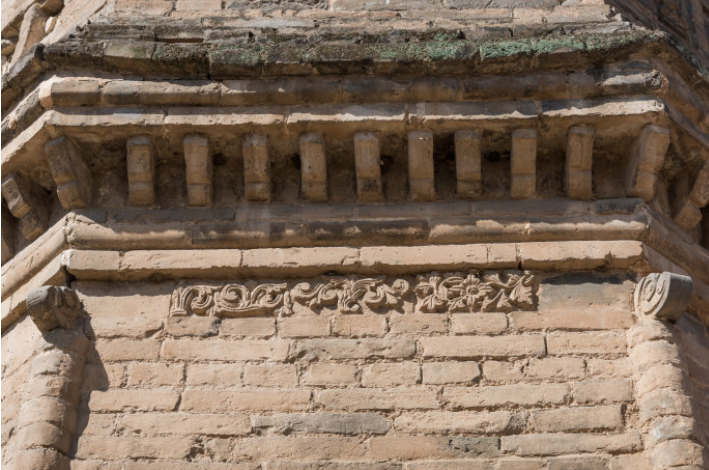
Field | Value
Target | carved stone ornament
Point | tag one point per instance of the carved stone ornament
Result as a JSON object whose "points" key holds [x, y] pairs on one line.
{"points": [[492, 292], [663, 295], [52, 307], [489, 292], [350, 295], [230, 300]]}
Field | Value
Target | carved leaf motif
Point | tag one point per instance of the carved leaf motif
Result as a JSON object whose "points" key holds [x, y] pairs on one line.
{"points": [[351, 295]]}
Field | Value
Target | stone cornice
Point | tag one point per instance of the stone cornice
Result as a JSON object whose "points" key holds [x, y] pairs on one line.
{"points": [[219, 61]]}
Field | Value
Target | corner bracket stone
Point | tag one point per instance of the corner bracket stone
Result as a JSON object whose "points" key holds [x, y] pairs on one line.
{"points": [[54, 307], [664, 296]]}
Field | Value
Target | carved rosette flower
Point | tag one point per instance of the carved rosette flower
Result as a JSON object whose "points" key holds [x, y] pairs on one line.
{"points": [[351, 295], [473, 293]]}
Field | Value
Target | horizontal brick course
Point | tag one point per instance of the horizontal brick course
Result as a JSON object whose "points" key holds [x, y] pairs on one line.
{"points": [[558, 444], [578, 419], [365, 348], [587, 343], [506, 395], [221, 350], [163, 424], [322, 423], [245, 400], [448, 423], [120, 448], [377, 399], [133, 400], [572, 320], [481, 346], [440, 373], [421, 447], [391, 374]]}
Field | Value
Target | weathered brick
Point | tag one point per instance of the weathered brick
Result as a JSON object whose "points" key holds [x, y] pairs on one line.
{"points": [[322, 423], [420, 324], [478, 323], [420, 447], [248, 326], [520, 464], [561, 368], [650, 353], [102, 376], [291, 465], [441, 373], [359, 325], [224, 375], [579, 462], [578, 419], [179, 465], [397, 373], [270, 375], [664, 403], [377, 399], [587, 343], [480, 346], [220, 350], [462, 464], [283, 448], [557, 444], [121, 448], [330, 374], [133, 400], [451, 423], [672, 427], [192, 325], [499, 371], [245, 399], [506, 395], [149, 424], [608, 368], [672, 454], [159, 373], [603, 391], [303, 327], [572, 320], [394, 348], [96, 424], [661, 376], [126, 350]]}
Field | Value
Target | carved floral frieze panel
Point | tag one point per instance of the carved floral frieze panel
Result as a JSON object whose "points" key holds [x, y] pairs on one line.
{"points": [[431, 293]]}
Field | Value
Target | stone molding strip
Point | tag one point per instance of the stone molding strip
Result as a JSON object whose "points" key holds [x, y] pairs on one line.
{"points": [[47, 419], [471, 292], [664, 403], [141, 265]]}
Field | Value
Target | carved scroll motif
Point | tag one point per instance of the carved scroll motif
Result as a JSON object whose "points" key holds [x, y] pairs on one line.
{"points": [[491, 292], [475, 293], [663, 295], [350, 295], [230, 300]]}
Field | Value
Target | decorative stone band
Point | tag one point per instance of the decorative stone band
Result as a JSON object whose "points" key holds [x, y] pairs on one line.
{"points": [[48, 417], [488, 292], [663, 296]]}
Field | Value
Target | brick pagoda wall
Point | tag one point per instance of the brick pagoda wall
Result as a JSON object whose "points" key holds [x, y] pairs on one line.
{"points": [[545, 389]]}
